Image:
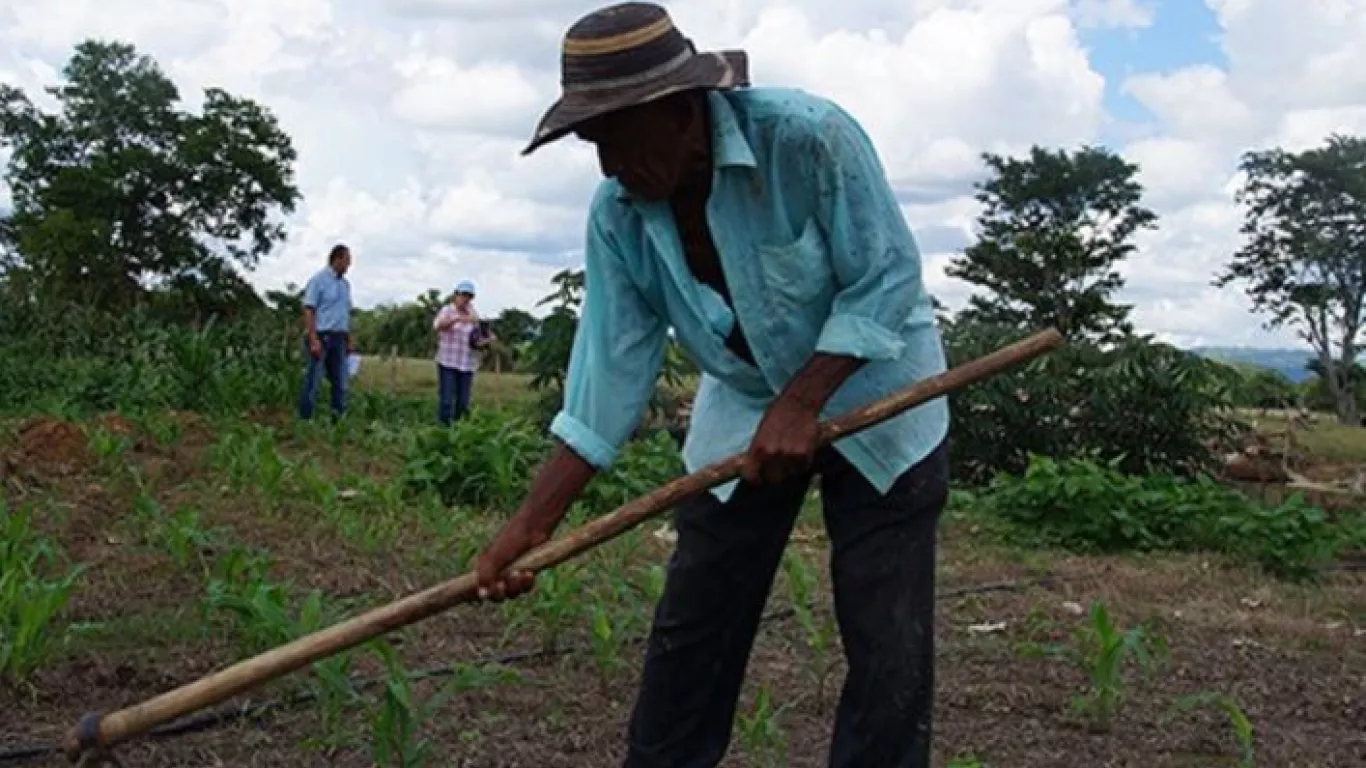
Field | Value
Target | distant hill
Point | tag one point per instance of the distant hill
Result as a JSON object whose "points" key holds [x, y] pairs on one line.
{"points": [[1289, 362]]}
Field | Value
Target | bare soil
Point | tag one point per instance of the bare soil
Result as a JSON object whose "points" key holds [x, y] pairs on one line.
{"points": [[1293, 657]]}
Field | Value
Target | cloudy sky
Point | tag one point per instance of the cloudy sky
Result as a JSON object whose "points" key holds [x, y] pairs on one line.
{"points": [[409, 114]]}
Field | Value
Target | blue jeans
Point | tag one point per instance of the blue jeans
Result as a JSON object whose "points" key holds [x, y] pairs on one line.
{"points": [[453, 388], [332, 363], [883, 566]]}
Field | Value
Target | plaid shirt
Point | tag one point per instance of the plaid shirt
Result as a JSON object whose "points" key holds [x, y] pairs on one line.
{"points": [[453, 344]]}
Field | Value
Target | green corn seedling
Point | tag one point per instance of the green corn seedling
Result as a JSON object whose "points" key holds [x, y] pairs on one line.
{"points": [[819, 632], [761, 732], [1102, 650], [396, 721], [30, 598], [604, 640]]}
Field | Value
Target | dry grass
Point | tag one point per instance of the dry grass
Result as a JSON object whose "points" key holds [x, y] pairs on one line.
{"points": [[416, 377], [1324, 439]]}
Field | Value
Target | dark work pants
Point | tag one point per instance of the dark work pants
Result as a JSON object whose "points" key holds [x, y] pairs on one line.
{"points": [[882, 564], [453, 388]]}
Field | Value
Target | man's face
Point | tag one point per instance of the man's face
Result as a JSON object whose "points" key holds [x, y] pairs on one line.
{"points": [[649, 148], [342, 262], [463, 300]]}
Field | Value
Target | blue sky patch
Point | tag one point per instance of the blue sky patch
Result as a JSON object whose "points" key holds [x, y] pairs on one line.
{"points": [[1184, 32]]}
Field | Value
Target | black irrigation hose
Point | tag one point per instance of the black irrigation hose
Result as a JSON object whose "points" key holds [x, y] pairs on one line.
{"points": [[258, 712]]}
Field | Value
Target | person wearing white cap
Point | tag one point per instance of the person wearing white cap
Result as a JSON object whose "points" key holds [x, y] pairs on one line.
{"points": [[460, 335]]}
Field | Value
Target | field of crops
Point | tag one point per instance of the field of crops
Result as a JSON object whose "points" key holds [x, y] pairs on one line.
{"points": [[1085, 617]]}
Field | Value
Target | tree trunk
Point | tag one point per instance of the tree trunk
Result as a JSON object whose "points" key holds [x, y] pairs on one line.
{"points": [[1344, 396]]}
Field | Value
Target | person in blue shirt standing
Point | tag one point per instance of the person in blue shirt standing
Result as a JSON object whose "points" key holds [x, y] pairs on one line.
{"points": [[758, 224], [327, 332]]}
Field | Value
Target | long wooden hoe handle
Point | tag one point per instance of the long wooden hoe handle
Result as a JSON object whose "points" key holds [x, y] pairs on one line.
{"points": [[96, 733]]}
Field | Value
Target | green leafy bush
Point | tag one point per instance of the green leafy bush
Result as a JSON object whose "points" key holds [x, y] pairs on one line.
{"points": [[485, 460], [1149, 406], [1088, 506]]}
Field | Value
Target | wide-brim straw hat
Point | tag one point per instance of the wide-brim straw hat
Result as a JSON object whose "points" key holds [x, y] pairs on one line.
{"points": [[628, 54]]}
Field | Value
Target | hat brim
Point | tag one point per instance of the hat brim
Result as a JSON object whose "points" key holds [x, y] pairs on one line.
{"points": [[713, 70]]}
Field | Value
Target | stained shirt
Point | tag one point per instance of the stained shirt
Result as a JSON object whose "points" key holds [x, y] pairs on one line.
{"points": [[818, 258], [329, 296]]}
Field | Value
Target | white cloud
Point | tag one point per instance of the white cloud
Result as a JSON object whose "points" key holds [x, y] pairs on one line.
{"points": [[1296, 72], [409, 115], [1120, 14], [486, 97], [1198, 100]]}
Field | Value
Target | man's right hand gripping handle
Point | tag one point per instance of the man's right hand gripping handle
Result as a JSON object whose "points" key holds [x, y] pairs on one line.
{"points": [[558, 483]]}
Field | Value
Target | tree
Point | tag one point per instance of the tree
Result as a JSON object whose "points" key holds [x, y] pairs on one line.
{"points": [[119, 194], [1054, 226], [515, 326], [1304, 260]]}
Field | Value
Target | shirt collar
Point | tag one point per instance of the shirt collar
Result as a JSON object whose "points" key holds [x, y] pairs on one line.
{"points": [[729, 146]]}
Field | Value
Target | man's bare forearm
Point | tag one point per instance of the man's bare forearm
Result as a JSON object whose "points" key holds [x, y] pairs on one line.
{"points": [[557, 484], [819, 379], [310, 324]]}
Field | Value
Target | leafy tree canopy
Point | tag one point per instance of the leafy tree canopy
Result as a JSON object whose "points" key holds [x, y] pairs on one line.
{"points": [[1304, 259], [119, 193], [1054, 226]]}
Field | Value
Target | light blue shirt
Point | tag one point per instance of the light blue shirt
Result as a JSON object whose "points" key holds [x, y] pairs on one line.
{"points": [[818, 258], [329, 295]]}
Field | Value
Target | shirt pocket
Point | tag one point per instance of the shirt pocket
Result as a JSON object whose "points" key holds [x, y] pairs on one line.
{"points": [[797, 272]]}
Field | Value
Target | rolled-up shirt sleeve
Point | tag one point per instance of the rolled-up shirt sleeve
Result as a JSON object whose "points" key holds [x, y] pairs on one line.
{"points": [[617, 354], [875, 257]]}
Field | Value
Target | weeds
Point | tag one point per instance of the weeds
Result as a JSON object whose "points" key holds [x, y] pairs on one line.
{"points": [[1241, 725], [1092, 507], [484, 460]]}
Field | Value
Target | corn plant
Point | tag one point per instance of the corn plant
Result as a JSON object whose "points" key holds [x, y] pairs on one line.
{"points": [[760, 731], [239, 591], [161, 427], [262, 615], [108, 446], [395, 723], [335, 689], [819, 634], [605, 640], [181, 535], [249, 458], [655, 583], [1238, 720], [31, 598], [552, 605], [1101, 650]]}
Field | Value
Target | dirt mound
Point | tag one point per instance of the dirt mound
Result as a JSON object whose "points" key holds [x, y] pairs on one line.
{"points": [[116, 424], [50, 447]]}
